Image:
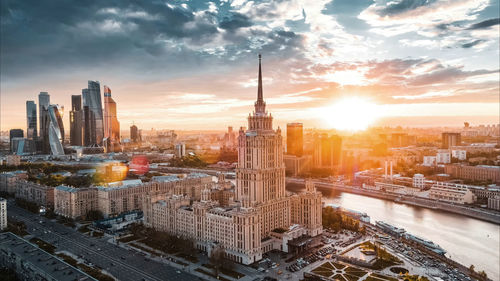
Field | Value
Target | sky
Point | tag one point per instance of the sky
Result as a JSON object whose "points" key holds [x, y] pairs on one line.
{"points": [[193, 64]]}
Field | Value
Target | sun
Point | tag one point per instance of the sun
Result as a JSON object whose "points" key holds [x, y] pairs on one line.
{"points": [[350, 114]]}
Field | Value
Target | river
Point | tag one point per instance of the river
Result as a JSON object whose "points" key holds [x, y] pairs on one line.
{"points": [[466, 240]]}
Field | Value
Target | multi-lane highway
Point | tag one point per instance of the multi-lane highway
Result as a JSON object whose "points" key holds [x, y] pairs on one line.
{"points": [[123, 264]]}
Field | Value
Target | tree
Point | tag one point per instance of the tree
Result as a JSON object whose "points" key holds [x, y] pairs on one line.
{"points": [[217, 259], [471, 268], [483, 274], [94, 215]]}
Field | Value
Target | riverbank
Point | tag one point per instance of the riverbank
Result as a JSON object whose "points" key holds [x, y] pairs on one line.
{"points": [[481, 214]]}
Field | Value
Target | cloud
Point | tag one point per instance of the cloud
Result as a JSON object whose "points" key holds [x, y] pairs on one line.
{"points": [[485, 24], [396, 8], [236, 21], [472, 44]]}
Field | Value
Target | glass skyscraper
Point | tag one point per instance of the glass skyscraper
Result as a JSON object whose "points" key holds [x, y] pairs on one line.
{"points": [[92, 99], [111, 124], [76, 121], [56, 129], [31, 130], [43, 106]]}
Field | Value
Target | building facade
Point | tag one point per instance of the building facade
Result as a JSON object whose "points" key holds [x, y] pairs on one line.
{"points": [[478, 173], [327, 152], [262, 217], [34, 192], [56, 129], [111, 124], [294, 139], [76, 121], [74, 202], [134, 134], [452, 193], [92, 98], [450, 139], [44, 121], [31, 130]]}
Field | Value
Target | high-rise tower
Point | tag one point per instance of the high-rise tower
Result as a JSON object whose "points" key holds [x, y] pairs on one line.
{"points": [[31, 130], [294, 139], [76, 121], [92, 99], [56, 129], [111, 124], [43, 107], [260, 176]]}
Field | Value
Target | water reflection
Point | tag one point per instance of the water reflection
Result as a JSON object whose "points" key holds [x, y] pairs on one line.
{"points": [[467, 240]]}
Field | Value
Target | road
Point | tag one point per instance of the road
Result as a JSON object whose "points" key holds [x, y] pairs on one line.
{"points": [[123, 264]]}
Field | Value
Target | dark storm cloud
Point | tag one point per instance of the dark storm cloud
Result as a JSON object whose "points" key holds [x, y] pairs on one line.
{"points": [[57, 34], [395, 8], [471, 44], [234, 22], [137, 35], [485, 24]]}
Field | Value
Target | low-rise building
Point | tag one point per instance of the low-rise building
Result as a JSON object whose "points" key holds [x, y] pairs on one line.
{"points": [[295, 165], [478, 173], [452, 193], [8, 181], [443, 156], [73, 202], [419, 181], [124, 196], [460, 154], [32, 263], [34, 192], [494, 203], [13, 160], [430, 161]]}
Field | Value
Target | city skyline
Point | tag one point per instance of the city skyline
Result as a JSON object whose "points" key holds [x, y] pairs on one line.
{"points": [[438, 71]]}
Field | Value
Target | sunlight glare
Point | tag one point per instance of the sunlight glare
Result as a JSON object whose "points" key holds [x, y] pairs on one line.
{"points": [[351, 114]]}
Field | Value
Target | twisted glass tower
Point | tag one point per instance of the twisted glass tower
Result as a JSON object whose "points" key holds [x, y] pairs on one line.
{"points": [[56, 129]]}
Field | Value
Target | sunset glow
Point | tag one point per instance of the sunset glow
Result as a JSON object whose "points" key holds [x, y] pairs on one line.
{"points": [[351, 114]]}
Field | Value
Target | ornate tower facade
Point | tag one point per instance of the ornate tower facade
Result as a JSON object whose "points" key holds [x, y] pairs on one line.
{"points": [[260, 176]]}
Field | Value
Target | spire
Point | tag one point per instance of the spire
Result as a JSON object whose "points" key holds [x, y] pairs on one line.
{"points": [[260, 105], [260, 97]]}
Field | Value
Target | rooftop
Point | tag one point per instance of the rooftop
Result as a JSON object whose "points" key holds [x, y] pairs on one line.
{"points": [[38, 258]]}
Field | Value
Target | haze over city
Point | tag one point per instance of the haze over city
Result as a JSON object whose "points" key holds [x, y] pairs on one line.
{"points": [[250, 140], [190, 65]]}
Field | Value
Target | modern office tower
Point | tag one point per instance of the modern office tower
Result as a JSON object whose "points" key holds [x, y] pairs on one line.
{"points": [[230, 140], [89, 137], [111, 124], [43, 106], [76, 121], [31, 129], [180, 150], [92, 99], [294, 139], [3, 214], [399, 140], [134, 133], [15, 133], [451, 139], [56, 129], [327, 152]]}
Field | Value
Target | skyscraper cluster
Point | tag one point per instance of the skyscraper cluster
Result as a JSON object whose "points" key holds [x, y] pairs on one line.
{"points": [[89, 125]]}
